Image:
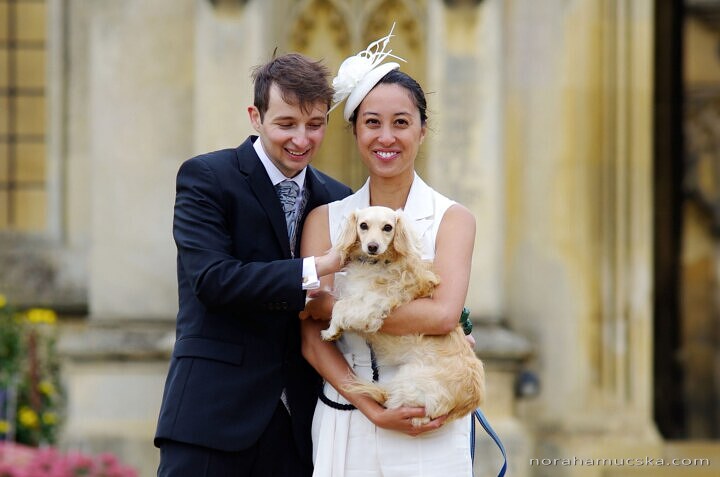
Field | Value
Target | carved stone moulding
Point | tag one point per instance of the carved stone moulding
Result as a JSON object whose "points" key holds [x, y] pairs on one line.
{"points": [[459, 3], [237, 3], [702, 157]]}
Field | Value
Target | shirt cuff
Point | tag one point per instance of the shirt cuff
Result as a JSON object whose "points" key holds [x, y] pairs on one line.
{"points": [[310, 279]]}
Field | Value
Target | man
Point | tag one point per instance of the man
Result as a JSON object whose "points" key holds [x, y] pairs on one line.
{"points": [[239, 397]]}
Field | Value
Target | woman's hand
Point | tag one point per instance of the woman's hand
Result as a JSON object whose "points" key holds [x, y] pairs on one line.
{"points": [[319, 305], [400, 419], [471, 341]]}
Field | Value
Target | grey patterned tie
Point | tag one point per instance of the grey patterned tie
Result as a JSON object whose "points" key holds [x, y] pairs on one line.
{"points": [[287, 192]]}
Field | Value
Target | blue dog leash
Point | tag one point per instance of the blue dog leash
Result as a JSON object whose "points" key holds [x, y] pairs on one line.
{"points": [[486, 425]]}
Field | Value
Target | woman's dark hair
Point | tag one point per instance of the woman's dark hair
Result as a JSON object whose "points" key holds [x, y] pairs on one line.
{"points": [[406, 81], [300, 80]]}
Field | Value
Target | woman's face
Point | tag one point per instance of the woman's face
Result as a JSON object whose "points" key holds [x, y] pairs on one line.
{"points": [[388, 130]]}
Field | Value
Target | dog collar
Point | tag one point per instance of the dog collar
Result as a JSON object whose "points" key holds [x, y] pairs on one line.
{"points": [[371, 261]]}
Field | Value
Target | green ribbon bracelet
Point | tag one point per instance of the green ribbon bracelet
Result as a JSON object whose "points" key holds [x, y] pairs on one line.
{"points": [[465, 322]]}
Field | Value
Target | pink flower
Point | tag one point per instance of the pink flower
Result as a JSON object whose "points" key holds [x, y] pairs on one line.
{"points": [[7, 470], [23, 461], [107, 459]]}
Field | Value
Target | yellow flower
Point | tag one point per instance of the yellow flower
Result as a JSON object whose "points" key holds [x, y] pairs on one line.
{"points": [[47, 388], [28, 417], [4, 426], [41, 315], [3, 301], [49, 418]]}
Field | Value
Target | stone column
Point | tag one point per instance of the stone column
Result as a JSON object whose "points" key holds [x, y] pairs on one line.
{"points": [[578, 111], [129, 68], [464, 151], [140, 91], [464, 145], [228, 41]]}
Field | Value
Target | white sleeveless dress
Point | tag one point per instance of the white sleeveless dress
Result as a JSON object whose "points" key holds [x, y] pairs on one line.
{"points": [[346, 443]]}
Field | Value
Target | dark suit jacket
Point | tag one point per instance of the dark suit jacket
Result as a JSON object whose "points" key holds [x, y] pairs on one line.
{"points": [[238, 338]]}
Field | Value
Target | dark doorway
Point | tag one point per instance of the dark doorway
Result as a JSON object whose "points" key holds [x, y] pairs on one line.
{"points": [[668, 173], [687, 219]]}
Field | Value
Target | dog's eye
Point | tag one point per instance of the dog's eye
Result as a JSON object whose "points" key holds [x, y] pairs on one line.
{"points": [[387, 228], [363, 226]]}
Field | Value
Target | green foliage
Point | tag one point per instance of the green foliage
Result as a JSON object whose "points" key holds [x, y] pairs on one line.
{"points": [[29, 376], [10, 343]]}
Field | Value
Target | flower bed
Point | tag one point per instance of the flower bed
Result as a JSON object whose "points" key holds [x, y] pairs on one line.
{"points": [[17, 460], [31, 398]]}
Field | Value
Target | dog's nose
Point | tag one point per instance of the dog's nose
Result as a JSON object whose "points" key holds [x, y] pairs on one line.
{"points": [[372, 248]]}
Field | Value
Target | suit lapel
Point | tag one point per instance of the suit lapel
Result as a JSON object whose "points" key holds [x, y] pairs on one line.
{"points": [[319, 194], [262, 187]]}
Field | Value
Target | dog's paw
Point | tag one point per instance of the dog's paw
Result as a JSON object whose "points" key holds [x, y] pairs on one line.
{"points": [[420, 421], [331, 334], [373, 325]]}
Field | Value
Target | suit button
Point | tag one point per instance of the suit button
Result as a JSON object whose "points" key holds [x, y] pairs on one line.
{"points": [[284, 306]]}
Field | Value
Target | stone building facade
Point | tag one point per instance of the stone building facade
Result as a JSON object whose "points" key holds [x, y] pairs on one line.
{"points": [[544, 120]]}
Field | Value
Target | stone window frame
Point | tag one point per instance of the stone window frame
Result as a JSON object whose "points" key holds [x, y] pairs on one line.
{"points": [[32, 261], [19, 89]]}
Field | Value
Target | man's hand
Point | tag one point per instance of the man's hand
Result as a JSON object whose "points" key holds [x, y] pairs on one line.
{"points": [[328, 263], [319, 305]]}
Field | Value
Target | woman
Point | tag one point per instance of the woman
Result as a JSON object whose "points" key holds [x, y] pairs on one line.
{"points": [[352, 434]]}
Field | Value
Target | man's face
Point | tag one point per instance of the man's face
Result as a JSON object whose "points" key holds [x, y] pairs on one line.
{"points": [[290, 136]]}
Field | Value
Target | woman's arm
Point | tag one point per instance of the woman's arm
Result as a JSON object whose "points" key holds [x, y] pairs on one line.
{"points": [[326, 358], [440, 313], [331, 365]]}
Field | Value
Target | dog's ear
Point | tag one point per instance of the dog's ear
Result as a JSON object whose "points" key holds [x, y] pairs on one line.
{"points": [[404, 242], [348, 237]]}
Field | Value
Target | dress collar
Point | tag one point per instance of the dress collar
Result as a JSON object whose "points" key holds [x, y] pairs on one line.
{"points": [[419, 204]]}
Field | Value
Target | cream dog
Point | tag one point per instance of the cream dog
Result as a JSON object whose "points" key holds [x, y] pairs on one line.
{"points": [[383, 271]]}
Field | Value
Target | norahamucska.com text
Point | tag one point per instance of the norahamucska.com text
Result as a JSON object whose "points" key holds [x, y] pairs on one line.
{"points": [[620, 461]]}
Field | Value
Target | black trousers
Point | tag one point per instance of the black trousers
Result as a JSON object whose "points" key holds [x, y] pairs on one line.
{"points": [[274, 455]]}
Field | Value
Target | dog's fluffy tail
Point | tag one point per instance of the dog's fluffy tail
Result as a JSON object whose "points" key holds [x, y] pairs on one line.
{"points": [[369, 389]]}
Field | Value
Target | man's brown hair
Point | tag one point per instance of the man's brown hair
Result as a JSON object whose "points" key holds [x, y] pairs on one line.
{"points": [[300, 80]]}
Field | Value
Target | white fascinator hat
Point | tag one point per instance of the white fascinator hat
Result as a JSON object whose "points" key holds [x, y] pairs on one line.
{"points": [[358, 74]]}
